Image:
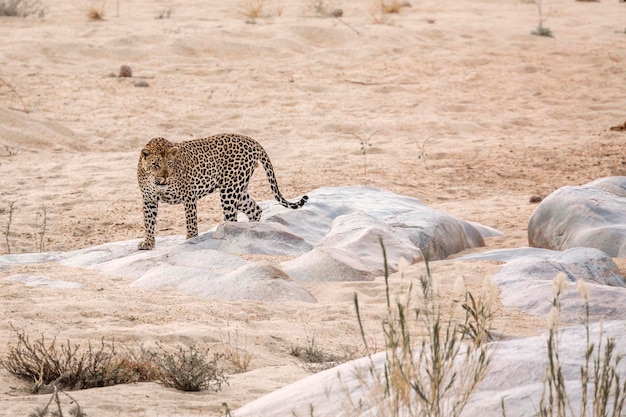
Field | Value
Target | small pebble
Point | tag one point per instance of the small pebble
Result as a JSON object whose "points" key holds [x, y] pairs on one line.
{"points": [[336, 13], [125, 71], [142, 84]]}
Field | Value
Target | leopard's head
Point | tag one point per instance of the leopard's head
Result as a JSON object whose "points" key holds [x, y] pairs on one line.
{"points": [[158, 160]]}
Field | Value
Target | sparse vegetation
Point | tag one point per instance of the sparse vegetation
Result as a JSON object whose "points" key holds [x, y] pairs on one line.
{"points": [[365, 143], [94, 9], [422, 150], [12, 89], [541, 30], [7, 231], [191, 369], [435, 375], [478, 319], [165, 13], [319, 358], [238, 352], [55, 402], [22, 8], [252, 10], [40, 235], [382, 8], [48, 366]]}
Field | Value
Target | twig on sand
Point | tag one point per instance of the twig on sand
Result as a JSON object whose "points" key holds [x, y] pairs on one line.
{"points": [[14, 91]]}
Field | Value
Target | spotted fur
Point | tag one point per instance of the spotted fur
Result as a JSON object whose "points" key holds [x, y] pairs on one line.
{"points": [[183, 173]]}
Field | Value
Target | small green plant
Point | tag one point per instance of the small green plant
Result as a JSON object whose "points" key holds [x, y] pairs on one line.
{"points": [[478, 319], [541, 30], [40, 234], [422, 150], [436, 374], [22, 8], [191, 369], [365, 143], [7, 230]]}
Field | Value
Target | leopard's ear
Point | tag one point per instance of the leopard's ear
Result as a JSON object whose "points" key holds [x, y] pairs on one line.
{"points": [[145, 152], [173, 151]]}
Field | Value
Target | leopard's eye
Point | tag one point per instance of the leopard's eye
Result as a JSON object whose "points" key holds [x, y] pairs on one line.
{"points": [[156, 165]]}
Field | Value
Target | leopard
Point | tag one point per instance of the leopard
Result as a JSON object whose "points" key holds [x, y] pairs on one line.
{"points": [[184, 172]]}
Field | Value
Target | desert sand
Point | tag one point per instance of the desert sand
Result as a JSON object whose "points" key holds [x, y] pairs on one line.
{"points": [[464, 109]]}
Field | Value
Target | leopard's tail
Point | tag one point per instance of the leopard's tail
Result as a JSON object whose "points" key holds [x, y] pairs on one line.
{"points": [[269, 171]]}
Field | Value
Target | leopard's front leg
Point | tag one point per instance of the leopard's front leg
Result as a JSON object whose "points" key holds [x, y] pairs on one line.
{"points": [[191, 215], [150, 209]]}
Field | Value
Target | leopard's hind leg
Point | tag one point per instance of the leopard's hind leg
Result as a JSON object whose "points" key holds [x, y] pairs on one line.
{"points": [[250, 208]]}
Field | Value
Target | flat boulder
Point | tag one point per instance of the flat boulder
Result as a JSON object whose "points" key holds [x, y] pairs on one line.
{"points": [[526, 281]]}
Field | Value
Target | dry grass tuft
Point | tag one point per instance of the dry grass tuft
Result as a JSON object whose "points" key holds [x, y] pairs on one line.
{"points": [[49, 366], [436, 374], [94, 9], [191, 369], [238, 352], [382, 8], [252, 10]]}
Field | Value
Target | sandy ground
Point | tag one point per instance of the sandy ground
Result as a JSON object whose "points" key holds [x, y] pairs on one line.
{"points": [[463, 109]]}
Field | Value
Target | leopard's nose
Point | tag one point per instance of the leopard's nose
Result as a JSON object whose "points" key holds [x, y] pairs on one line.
{"points": [[161, 180]]}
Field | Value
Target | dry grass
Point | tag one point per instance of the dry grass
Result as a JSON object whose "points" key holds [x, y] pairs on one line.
{"points": [[191, 369], [238, 351], [382, 8], [48, 366], [429, 370], [600, 368], [5, 84], [252, 10], [94, 9]]}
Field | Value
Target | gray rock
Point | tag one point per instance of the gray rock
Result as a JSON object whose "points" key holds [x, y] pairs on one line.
{"points": [[348, 222], [326, 264], [526, 281], [592, 215], [335, 236]]}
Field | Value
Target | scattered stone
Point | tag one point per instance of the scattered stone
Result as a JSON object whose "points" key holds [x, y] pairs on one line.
{"points": [[125, 71], [536, 198], [142, 84], [336, 13]]}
